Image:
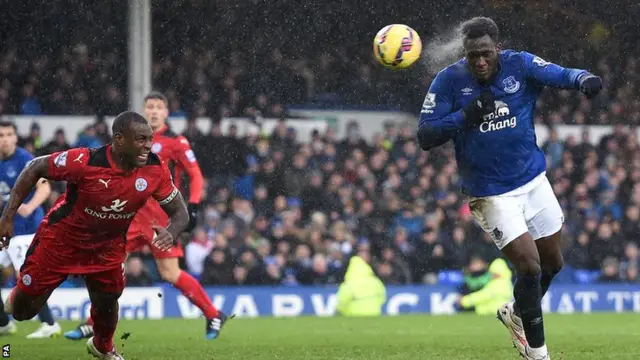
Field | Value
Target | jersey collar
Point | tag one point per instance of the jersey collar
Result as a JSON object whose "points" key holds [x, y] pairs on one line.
{"points": [[112, 164]]}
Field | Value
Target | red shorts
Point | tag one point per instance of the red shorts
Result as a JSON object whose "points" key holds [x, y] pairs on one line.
{"points": [[141, 232], [49, 262]]}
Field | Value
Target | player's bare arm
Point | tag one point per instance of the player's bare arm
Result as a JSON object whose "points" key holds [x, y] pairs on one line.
{"points": [[178, 214], [43, 190], [37, 169]]}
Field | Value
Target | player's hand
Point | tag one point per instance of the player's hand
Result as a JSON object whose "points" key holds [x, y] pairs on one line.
{"points": [[193, 216], [590, 85], [478, 108], [163, 239], [6, 231], [25, 210]]}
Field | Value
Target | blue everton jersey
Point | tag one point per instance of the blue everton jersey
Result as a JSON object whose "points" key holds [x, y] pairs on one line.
{"points": [[10, 168], [501, 154]]}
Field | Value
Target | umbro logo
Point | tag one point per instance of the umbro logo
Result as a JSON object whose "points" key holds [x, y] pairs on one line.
{"points": [[467, 91]]}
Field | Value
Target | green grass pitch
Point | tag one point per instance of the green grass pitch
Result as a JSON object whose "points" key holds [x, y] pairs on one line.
{"points": [[460, 337]]}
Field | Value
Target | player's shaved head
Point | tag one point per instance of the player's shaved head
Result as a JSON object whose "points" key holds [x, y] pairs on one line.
{"points": [[478, 27], [123, 122], [132, 138], [481, 47]]}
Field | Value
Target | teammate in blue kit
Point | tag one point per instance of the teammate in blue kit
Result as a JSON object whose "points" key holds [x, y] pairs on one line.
{"points": [[12, 160], [485, 104]]}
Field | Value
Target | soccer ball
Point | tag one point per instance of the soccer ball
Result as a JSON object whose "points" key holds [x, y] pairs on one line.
{"points": [[397, 46]]}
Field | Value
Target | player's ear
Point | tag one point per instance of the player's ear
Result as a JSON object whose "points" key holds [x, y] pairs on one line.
{"points": [[499, 46], [118, 138]]}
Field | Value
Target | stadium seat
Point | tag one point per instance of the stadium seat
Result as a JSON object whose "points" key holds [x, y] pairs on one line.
{"points": [[450, 277]]}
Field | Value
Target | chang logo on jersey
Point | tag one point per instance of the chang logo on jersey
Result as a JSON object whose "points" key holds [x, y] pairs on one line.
{"points": [[492, 121], [113, 212]]}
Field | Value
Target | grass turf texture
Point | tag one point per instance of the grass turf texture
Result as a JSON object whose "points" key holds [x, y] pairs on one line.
{"points": [[570, 337]]}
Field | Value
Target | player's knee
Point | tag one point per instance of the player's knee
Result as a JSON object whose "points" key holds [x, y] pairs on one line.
{"points": [[553, 267], [105, 302], [528, 265], [21, 311], [169, 271]]}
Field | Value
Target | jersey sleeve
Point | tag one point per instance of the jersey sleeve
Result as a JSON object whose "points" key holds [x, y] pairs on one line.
{"points": [[438, 121], [550, 74], [187, 162], [68, 165], [166, 191]]}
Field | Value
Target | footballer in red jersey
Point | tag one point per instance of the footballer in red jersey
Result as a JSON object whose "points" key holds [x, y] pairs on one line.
{"points": [[84, 233], [176, 151]]}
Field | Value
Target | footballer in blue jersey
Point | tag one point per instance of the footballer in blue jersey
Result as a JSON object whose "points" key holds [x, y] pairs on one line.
{"points": [[484, 104], [13, 160]]}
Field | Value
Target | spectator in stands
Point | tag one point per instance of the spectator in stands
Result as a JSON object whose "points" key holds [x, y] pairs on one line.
{"points": [[196, 251], [59, 142], [136, 273]]}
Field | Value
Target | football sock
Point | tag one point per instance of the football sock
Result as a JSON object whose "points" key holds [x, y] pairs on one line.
{"points": [[105, 322], [191, 288], [45, 315], [545, 281], [4, 318], [528, 294]]}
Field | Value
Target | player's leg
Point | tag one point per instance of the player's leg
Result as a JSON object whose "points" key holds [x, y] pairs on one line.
{"points": [[551, 260], [35, 283], [29, 296], [104, 289], [170, 271], [503, 218], [17, 250], [544, 219], [84, 330], [6, 325], [523, 253]]}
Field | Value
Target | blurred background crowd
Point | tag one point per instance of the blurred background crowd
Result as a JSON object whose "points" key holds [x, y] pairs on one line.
{"points": [[281, 211]]}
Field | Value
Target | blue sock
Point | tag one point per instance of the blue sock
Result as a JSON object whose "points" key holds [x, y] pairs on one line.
{"points": [[45, 315], [4, 318], [528, 294]]}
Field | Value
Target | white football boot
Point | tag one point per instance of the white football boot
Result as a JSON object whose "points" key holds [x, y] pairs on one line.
{"points": [[111, 355], [513, 323], [10, 328], [46, 331]]}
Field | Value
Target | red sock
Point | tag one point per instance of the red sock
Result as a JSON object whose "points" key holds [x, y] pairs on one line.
{"points": [[103, 328], [191, 288], [11, 296], [90, 320]]}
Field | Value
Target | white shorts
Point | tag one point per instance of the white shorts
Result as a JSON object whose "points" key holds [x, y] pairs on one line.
{"points": [[16, 252], [531, 208]]}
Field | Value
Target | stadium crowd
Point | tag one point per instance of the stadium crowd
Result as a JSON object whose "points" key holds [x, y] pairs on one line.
{"points": [[282, 212]]}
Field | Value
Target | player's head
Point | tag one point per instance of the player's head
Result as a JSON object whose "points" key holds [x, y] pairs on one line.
{"points": [[481, 46], [8, 138], [156, 109], [132, 138]]}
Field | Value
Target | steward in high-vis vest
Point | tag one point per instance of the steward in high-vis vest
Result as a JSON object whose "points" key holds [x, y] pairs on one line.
{"points": [[362, 293]]}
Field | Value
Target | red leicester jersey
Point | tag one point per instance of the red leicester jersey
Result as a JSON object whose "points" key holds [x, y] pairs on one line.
{"points": [[101, 199], [175, 150]]}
